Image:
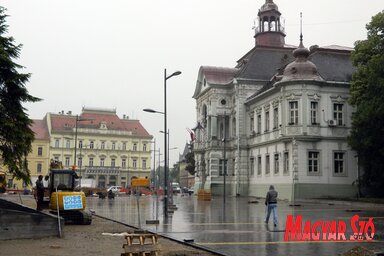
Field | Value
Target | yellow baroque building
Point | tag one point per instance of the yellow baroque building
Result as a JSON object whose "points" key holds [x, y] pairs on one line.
{"points": [[110, 150]]}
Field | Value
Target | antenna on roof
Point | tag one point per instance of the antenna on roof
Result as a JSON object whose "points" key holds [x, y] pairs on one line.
{"points": [[301, 27]]}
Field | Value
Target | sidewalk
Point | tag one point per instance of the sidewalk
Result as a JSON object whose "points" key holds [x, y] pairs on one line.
{"points": [[85, 240]]}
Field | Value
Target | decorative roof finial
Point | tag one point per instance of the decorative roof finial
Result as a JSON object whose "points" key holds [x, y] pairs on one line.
{"points": [[301, 28]]}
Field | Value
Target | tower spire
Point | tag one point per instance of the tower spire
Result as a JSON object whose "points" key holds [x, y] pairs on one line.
{"points": [[301, 28]]}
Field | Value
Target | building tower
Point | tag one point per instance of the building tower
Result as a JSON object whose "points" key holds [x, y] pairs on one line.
{"points": [[270, 31]]}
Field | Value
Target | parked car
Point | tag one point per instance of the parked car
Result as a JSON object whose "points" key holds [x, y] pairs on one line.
{"points": [[176, 187], [191, 191], [114, 189]]}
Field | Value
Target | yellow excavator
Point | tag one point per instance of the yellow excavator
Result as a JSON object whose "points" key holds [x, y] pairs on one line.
{"points": [[63, 197]]}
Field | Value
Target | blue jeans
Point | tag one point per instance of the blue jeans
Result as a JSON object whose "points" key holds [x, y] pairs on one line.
{"points": [[272, 207]]}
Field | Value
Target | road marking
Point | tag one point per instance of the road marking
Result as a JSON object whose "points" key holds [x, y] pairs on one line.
{"points": [[286, 242]]}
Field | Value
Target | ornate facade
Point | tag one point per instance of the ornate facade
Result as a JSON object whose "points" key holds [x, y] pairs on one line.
{"points": [[109, 149], [280, 117]]}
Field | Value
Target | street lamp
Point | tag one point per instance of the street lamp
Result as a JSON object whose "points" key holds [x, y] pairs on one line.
{"points": [[224, 163], [78, 119], [170, 193], [165, 138]]}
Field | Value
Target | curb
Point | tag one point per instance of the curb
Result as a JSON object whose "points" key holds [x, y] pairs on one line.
{"points": [[340, 202], [186, 243]]}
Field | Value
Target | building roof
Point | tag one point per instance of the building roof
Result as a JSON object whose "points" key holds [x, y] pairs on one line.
{"points": [[209, 75], [261, 63], [333, 63], [39, 127], [95, 119], [218, 75]]}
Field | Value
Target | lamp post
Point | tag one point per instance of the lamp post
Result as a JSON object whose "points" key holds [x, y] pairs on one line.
{"points": [[165, 139], [154, 162], [78, 119], [170, 195], [224, 163]]}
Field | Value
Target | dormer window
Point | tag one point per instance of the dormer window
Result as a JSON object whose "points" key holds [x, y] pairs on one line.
{"points": [[103, 125]]}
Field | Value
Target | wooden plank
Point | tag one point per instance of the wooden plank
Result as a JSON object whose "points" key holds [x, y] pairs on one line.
{"points": [[136, 248]]}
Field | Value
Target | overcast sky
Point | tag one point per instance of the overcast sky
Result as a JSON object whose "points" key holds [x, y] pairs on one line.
{"points": [[112, 54]]}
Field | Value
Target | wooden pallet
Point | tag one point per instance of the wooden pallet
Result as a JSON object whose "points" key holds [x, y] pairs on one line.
{"points": [[141, 245]]}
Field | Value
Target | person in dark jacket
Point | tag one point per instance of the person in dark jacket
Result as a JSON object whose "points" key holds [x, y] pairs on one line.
{"points": [[271, 203], [40, 192]]}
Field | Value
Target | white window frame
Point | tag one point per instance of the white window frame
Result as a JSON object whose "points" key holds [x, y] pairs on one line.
{"points": [[259, 165], [90, 162], [67, 161], [314, 159], [338, 113], [314, 110], [293, 112], [267, 121], [337, 161], [252, 166], [286, 162], [39, 167], [275, 118], [276, 163], [267, 164]]}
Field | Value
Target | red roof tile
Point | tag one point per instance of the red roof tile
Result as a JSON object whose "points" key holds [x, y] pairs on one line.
{"points": [[93, 120], [39, 127], [219, 75]]}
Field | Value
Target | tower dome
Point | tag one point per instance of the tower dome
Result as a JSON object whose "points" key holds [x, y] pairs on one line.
{"points": [[269, 5], [301, 68], [270, 31]]}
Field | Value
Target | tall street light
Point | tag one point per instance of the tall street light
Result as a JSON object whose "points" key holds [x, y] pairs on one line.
{"points": [[165, 139], [78, 119], [169, 182]]}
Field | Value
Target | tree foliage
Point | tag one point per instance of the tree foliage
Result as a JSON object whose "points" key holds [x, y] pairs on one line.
{"points": [[16, 135], [190, 160], [367, 95]]}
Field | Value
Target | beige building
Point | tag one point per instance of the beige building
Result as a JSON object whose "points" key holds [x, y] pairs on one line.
{"points": [[110, 149], [39, 158]]}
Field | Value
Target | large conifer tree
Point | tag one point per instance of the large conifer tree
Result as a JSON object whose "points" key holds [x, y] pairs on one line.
{"points": [[16, 135], [367, 90]]}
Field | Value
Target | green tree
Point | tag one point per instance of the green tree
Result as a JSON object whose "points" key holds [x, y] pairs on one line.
{"points": [[16, 135], [175, 173], [367, 95], [190, 160]]}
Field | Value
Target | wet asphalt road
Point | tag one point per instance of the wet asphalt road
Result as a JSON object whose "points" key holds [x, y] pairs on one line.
{"points": [[239, 228]]}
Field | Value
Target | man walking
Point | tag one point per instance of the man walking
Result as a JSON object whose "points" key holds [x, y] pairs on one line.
{"points": [[271, 203]]}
